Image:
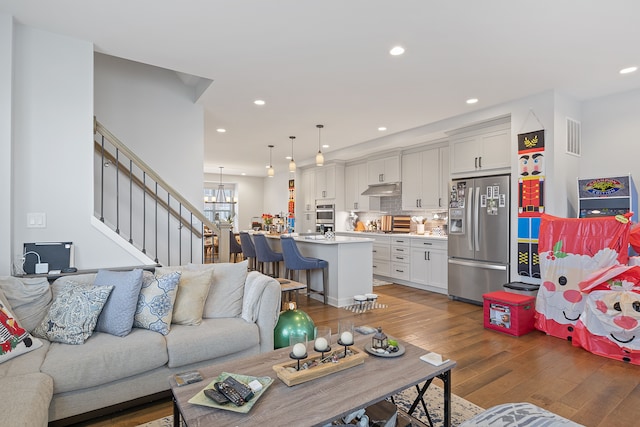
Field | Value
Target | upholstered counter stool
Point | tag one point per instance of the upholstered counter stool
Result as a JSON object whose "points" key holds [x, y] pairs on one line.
{"points": [[235, 248], [264, 254], [294, 261], [248, 249]]}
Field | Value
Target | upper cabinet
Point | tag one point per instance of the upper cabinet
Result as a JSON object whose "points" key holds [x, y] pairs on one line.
{"points": [[482, 149], [329, 184], [356, 181], [425, 179], [308, 190], [385, 170]]}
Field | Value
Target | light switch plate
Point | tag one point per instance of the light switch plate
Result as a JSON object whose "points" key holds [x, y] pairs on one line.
{"points": [[36, 220]]}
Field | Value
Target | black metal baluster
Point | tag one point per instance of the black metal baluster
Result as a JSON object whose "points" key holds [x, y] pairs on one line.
{"points": [[168, 228], [130, 201], [156, 199], [180, 234], [102, 166], [191, 236], [144, 212], [117, 191]]}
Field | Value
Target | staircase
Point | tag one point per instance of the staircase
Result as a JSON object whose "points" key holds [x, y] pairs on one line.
{"points": [[133, 201]]}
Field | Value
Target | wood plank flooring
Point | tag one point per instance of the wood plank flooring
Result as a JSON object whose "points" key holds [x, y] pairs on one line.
{"points": [[493, 368]]}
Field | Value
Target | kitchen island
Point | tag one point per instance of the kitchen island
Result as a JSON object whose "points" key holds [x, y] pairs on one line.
{"points": [[350, 265]]}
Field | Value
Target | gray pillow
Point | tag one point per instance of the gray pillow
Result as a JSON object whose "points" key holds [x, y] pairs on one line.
{"points": [[29, 298], [117, 315]]}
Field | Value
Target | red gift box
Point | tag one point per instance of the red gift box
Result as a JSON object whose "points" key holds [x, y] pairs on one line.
{"points": [[510, 313]]}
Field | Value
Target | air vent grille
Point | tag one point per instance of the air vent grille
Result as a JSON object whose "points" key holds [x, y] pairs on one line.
{"points": [[573, 137]]}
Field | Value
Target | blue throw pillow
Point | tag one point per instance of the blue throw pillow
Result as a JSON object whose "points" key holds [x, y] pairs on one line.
{"points": [[117, 315]]}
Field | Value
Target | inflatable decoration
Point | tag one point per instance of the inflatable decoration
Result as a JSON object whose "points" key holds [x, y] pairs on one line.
{"points": [[610, 323], [570, 250]]}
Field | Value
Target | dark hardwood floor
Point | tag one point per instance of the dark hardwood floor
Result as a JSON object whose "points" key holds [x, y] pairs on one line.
{"points": [[492, 368]]}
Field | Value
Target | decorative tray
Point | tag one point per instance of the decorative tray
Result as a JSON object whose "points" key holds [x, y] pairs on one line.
{"points": [[400, 352], [201, 399], [292, 378]]}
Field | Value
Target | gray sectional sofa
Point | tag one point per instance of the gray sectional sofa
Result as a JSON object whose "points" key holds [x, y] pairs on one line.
{"points": [[64, 382]]}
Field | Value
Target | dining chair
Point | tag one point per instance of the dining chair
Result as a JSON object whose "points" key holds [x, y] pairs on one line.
{"points": [[248, 249], [295, 261], [234, 247]]}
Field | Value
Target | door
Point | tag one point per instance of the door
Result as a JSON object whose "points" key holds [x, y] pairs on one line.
{"points": [[461, 220], [491, 228]]}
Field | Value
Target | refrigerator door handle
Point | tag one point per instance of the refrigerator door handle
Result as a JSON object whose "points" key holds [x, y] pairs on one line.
{"points": [[500, 267], [476, 221], [469, 219]]}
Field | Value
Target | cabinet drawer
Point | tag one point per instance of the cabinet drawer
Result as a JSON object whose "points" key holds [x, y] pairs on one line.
{"points": [[400, 250], [400, 270], [401, 257], [400, 241], [428, 243], [382, 268], [382, 252]]}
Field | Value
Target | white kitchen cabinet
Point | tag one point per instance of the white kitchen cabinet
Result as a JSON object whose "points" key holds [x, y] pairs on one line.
{"points": [[308, 187], [329, 184], [355, 183], [425, 179], [400, 258], [385, 170], [429, 263], [382, 256], [481, 150]]}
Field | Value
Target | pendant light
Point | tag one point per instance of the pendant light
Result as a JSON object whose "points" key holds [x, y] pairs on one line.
{"points": [[292, 164], [221, 196], [319, 156], [270, 171]]}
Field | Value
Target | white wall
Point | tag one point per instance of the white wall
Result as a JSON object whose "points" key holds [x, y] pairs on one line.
{"points": [[250, 190], [610, 129], [52, 146], [152, 112], [276, 192], [6, 220]]}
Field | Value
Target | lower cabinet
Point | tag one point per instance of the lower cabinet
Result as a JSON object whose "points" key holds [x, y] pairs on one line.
{"points": [[429, 263], [381, 257]]}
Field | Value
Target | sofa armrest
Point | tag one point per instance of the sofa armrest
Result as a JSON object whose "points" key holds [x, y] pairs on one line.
{"points": [[264, 310]]}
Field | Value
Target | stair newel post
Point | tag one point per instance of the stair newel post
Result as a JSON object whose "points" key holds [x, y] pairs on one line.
{"points": [[223, 241]]}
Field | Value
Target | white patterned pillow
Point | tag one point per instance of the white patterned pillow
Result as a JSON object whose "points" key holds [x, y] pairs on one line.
{"points": [[155, 302], [14, 340], [73, 314]]}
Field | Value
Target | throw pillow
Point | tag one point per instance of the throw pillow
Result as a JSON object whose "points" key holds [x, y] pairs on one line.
{"points": [[29, 299], [227, 290], [192, 293], [155, 302], [73, 314], [116, 317], [14, 340]]}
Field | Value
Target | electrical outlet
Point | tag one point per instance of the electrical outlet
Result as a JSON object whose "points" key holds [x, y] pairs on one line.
{"points": [[42, 268]]}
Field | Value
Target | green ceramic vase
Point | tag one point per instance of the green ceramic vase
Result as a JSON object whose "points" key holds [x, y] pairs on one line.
{"points": [[291, 321]]}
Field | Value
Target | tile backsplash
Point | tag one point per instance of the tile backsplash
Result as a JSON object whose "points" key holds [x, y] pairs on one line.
{"points": [[393, 206]]}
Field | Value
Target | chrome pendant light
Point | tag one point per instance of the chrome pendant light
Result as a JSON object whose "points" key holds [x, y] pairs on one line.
{"points": [[221, 195], [270, 171], [292, 163], [319, 156]]}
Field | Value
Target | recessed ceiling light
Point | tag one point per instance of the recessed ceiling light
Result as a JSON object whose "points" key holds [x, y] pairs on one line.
{"points": [[288, 157], [628, 70], [397, 50], [259, 102], [325, 145], [243, 173], [382, 128], [472, 100], [221, 130]]}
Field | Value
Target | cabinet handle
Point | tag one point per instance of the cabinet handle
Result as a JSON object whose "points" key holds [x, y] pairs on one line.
{"points": [[355, 205], [480, 162], [476, 166], [428, 255], [427, 243], [399, 250], [439, 202], [399, 271], [420, 202], [417, 205], [380, 177]]}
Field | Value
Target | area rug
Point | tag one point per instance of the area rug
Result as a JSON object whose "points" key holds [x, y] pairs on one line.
{"points": [[461, 409], [378, 282], [365, 306]]}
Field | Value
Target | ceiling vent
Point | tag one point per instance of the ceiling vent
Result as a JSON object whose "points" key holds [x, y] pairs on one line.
{"points": [[573, 137]]}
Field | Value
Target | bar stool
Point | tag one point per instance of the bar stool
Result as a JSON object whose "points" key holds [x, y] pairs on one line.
{"points": [[265, 254], [248, 249], [234, 247], [294, 261]]}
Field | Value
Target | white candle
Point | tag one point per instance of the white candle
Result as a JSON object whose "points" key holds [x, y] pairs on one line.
{"points": [[346, 338], [321, 344], [299, 350]]}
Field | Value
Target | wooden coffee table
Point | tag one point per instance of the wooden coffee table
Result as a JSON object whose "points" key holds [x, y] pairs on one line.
{"points": [[320, 401]]}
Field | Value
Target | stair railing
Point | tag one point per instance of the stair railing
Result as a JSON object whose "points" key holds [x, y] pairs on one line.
{"points": [[146, 210]]}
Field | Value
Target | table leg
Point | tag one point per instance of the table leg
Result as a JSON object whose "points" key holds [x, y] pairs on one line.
{"points": [[446, 379], [420, 398], [176, 414]]}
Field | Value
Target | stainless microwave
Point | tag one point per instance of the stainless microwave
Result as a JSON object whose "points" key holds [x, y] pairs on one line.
{"points": [[325, 214]]}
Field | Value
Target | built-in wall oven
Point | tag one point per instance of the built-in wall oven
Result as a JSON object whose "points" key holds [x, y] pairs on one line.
{"points": [[325, 218]]}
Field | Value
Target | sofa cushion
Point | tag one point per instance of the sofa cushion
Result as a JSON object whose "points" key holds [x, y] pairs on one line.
{"points": [[73, 313], [104, 358], [212, 338], [29, 299], [155, 302], [26, 363], [116, 317], [26, 400], [227, 290], [192, 294], [14, 339]]}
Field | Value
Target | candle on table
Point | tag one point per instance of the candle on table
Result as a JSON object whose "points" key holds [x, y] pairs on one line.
{"points": [[321, 344], [299, 350], [346, 338]]}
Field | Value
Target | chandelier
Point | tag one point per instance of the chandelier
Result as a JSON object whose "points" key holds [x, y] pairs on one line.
{"points": [[220, 196]]}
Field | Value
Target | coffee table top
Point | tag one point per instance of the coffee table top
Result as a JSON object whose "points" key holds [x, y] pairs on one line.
{"points": [[313, 403]]}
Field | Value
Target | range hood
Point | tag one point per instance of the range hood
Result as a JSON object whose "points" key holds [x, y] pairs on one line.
{"points": [[383, 190]]}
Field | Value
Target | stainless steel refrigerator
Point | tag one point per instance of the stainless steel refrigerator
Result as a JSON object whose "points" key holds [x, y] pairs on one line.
{"points": [[479, 230]]}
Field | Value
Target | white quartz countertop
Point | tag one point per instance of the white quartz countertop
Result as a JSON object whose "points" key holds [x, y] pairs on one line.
{"points": [[421, 236], [320, 239]]}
